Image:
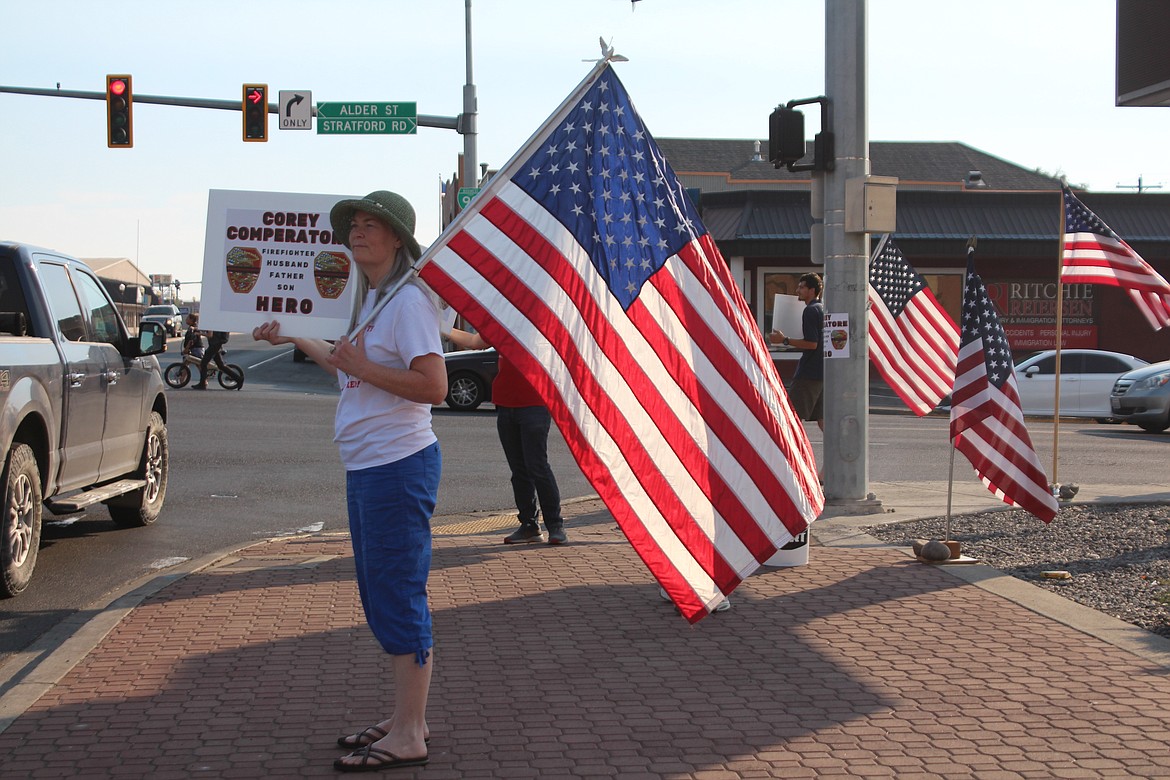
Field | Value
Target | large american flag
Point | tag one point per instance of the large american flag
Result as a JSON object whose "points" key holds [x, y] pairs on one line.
{"points": [[987, 423], [584, 261], [912, 340], [1094, 254]]}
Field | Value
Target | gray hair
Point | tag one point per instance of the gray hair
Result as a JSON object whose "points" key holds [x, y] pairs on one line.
{"points": [[402, 266]]}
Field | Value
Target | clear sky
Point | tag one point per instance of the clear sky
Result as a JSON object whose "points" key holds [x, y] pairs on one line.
{"points": [[1030, 81]]}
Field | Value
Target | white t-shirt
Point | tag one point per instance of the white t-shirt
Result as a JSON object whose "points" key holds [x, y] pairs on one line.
{"points": [[373, 427]]}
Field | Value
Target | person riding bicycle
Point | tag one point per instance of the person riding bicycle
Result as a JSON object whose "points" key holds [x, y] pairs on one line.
{"points": [[214, 352], [193, 338]]}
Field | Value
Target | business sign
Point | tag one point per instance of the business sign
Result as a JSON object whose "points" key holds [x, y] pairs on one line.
{"points": [[1027, 312], [367, 118], [274, 256], [295, 109]]}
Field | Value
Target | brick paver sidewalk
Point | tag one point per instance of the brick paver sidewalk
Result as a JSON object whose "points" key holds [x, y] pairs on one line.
{"points": [[562, 662]]}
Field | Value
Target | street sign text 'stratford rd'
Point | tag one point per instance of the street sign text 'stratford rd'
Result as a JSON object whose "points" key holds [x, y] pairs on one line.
{"points": [[367, 118]]}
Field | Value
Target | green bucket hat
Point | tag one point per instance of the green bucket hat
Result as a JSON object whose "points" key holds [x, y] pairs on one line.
{"points": [[390, 207]]}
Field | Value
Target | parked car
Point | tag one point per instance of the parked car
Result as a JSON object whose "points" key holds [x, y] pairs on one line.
{"points": [[1142, 397], [167, 315], [469, 378], [1086, 378]]}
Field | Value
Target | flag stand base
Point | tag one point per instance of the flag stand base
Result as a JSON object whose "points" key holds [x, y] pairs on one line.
{"points": [[932, 556], [1066, 492], [795, 553]]}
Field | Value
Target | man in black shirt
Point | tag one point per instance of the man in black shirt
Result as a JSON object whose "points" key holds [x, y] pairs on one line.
{"points": [[808, 384]]}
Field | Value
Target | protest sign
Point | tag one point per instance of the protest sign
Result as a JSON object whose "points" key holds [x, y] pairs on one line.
{"points": [[273, 256]]}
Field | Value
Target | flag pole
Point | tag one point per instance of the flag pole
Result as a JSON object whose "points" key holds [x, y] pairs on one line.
{"points": [[950, 486], [505, 173], [971, 242], [1059, 329]]}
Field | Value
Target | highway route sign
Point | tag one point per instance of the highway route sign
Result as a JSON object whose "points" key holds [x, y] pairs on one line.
{"points": [[464, 196]]}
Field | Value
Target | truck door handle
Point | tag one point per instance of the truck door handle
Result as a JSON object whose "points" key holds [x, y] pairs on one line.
{"points": [[75, 380], [111, 377]]}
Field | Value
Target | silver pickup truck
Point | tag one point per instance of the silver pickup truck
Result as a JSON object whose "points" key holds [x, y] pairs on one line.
{"points": [[82, 408]]}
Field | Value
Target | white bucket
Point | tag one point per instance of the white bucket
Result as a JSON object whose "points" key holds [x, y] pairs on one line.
{"points": [[795, 553]]}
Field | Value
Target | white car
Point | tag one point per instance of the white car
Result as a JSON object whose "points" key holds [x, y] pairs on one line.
{"points": [[165, 314], [1086, 379]]}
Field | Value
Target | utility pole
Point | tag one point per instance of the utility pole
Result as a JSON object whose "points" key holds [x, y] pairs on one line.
{"points": [[846, 437], [467, 120], [1140, 186]]}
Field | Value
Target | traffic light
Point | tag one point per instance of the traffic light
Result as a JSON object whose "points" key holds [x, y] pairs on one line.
{"points": [[255, 108], [785, 136], [119, 112]]}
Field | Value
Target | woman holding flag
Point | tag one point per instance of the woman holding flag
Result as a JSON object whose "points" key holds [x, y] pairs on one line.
{"points": [[390, 373]]}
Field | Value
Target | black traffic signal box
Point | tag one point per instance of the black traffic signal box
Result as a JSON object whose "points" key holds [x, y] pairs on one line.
{"points": [[255, 108], [119, 112]]}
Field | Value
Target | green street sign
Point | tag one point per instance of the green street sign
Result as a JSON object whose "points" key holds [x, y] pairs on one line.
{"points": [[464, 196], [367, 118]]}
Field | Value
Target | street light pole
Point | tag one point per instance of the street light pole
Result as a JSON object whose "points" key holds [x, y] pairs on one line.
{"points": [[467, 119], [846, 438]]}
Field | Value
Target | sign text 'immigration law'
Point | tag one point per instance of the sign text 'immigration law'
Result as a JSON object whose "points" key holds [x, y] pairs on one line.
{"points": [[273, 256]]}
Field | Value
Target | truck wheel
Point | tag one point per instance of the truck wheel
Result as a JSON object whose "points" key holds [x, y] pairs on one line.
{"points": [[142, 507], [22, 519], [177, 375]]}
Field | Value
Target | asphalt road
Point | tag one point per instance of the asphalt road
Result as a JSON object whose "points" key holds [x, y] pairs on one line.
{"points": [[260, 463]]}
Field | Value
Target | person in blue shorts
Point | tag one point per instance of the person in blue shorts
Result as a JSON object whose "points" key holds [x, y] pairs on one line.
{"points": [[390, 376]]}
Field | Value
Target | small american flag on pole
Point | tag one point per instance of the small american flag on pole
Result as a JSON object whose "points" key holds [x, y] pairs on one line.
{"points": [[913, 342], [987, 423], [584, 261], [1093, 254]]}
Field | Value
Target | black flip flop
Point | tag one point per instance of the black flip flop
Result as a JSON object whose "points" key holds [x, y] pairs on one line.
{"points": [[384, 760], [360, 739]]}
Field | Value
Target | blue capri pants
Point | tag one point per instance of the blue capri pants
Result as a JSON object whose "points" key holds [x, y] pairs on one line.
{"points": [[390, 510]]}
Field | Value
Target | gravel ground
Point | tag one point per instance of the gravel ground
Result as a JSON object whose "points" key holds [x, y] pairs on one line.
{"points": [[1118, 555]]}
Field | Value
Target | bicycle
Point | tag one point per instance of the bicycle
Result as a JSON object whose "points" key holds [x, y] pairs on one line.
{"points": [[178, 375]]}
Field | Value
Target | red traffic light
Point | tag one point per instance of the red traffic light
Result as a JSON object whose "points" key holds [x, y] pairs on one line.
{"points": [[255, 110], [119, 112]]}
